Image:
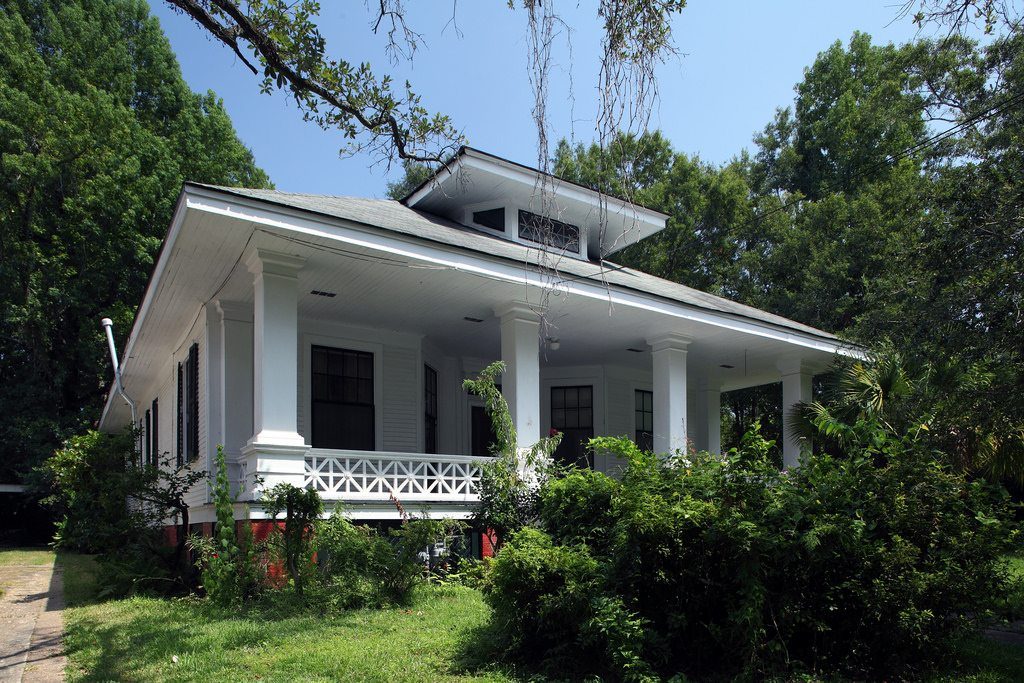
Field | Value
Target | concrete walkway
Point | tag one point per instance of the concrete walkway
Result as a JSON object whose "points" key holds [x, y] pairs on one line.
{"points": [[31, 623]]}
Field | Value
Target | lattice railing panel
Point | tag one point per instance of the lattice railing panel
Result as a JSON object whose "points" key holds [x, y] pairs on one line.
{"points": [[371, 475]]}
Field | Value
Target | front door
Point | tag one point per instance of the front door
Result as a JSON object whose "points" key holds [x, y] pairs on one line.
{"points": [[572, 414], [481, 432]]}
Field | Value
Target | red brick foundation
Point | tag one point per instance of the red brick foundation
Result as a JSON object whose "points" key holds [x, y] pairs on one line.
{"points": [[486, 547]]}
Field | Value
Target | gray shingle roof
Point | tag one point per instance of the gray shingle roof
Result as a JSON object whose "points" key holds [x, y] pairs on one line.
{"points": [[394, 216]]}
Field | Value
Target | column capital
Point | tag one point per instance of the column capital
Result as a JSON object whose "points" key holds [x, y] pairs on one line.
{"points": [[793, 365], [519, 310], [234, 310], [260, 261], [669, 340]]}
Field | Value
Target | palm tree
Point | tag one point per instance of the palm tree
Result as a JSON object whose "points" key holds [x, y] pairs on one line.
{"points": [[945, 405]]}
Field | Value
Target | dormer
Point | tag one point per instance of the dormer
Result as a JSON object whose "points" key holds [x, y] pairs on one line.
{"points": [[502, 198]]}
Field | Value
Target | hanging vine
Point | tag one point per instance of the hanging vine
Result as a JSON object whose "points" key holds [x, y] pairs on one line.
{"points": [[637, 39]]}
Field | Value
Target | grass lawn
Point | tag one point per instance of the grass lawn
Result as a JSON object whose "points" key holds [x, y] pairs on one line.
{"points": [[31, 556], [139, 639], [147, 639], [12, 558]]}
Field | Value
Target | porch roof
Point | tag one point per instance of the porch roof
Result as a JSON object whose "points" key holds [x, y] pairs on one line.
{"points": [[394, 216], [410, 271]]}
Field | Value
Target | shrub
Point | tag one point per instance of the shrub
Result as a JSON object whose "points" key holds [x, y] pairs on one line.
{"points": [[111, 504], [291, 542], [511, 481], [347, 558], [232, 570], [577, 507], [360, 566], [724, 566]]}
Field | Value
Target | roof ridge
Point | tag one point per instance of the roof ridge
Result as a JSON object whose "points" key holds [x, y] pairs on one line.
{"points": [[237, 188]]}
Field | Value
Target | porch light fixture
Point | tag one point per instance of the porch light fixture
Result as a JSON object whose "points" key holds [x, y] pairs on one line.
{"points": [[553, 343], [318, 292], [726, 366], [471, 319]]}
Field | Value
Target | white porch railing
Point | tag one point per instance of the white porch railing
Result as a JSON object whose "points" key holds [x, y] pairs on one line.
{"points": [[376, 475]]}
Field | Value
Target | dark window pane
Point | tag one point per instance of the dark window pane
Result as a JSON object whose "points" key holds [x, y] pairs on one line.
{"points": [[337, 425], [644, 419], [320, 387], [336, 365], [430, 409], [575, 421], [320, 360], [349, 390], [342, 397], [492, 218], [572, 397], [366, 391], [549, 232]]}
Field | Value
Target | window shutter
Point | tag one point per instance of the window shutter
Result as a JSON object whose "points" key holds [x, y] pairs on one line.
{"points": [[149, 438], [180, 446], [193, 403], [155, 437]]}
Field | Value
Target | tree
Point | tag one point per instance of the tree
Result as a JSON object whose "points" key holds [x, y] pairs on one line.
{"points": [[958, 15], [98, 133], [703, 203], [853, 216], [415, 173], [281, 41]]}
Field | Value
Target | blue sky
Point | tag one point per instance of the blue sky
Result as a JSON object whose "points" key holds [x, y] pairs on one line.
{"points": [[739, 61]]}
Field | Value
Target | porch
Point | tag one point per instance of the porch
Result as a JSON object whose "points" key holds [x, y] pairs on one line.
{"points": [[333, 335]]}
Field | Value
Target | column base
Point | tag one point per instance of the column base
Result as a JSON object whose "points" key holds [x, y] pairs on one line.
{"points": [[272, 458]]}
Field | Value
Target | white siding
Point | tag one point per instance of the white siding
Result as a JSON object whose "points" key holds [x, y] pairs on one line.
{"points": [[165, 390], [403, 400], [200, 493], [398, 380], [620, 399]]}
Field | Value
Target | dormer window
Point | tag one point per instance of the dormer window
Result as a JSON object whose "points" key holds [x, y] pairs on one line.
{"points": [[548, 232], [491, 218], [486, 193]]}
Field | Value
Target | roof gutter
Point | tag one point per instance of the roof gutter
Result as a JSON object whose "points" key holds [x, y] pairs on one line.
{"points": [[108, 326]]}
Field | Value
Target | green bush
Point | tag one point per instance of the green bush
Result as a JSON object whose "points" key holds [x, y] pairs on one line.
{"points": [[723, 566], [360, 566], [111, 504], [510, 481], [577, 508], [232, 567], [291, 543]]}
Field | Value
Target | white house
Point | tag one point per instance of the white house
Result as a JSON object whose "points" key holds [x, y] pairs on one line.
{"points": [[324, 340]]}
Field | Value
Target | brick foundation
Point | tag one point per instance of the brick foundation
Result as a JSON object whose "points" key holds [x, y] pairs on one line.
{"points": [[486, 547]]}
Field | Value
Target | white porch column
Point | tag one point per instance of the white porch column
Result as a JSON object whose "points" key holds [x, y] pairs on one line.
{"points": [[710, 402], [520, 350], [714, 420], [796, 388], [669, 365], [235, 327], [276, 452]]}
